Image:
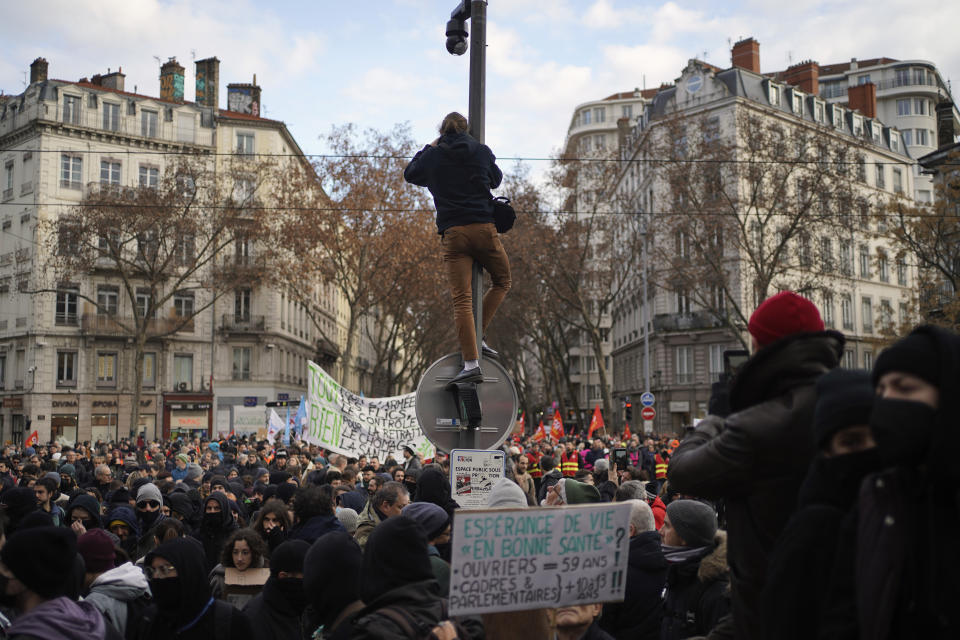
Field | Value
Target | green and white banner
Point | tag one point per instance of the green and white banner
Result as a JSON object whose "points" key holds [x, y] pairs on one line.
{"points": [[341, 421]]}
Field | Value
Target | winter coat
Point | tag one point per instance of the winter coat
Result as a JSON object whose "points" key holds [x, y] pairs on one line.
{"points": [[237, 597], [440, 569], [421, 601], [315, 527], [549, 479], [459, 172], [272, 617], [756, 458], [697, 593], [659, 511], [529, 488], [366, 523], [804, 557], [639, 616], [63, 619], [112, 590]]}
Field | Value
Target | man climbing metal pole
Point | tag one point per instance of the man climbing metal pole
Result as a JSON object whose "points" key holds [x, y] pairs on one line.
{"points": [[460, 171]]}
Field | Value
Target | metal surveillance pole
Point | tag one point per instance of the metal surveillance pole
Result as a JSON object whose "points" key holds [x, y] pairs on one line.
{"points": [[476, 12]]}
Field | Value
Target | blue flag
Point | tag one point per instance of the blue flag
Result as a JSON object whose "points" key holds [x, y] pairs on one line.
{"points": [[300, 418]]}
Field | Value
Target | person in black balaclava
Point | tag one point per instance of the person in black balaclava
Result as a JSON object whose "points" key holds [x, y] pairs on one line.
{"points": [[149, 501], [122, 522], [183, 606], [181, 508], [899, 579], [395, 573], [216, 525], [276, 611], [332, 601], [847, 453]]}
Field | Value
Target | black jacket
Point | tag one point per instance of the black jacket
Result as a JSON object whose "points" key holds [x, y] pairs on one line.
{"points": [[803, 560], [697, 594], [756, 458], [639, 616], [273, 617], [459, 172], [547, 481]]}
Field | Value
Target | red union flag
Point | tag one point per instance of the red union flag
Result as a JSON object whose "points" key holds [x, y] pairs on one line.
{"points": [[596, 422], [556, 427], [541, 433], [33, 439], [626, 432]]}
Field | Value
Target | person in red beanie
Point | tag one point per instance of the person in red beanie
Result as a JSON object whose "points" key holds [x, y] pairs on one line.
{"points": [[755, 459]]}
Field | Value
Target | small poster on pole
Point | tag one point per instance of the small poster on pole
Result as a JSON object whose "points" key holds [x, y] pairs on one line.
{"points": [[473, 473]]}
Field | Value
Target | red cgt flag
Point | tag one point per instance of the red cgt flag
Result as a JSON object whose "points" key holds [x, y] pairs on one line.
{"points": [[626, 432], [556, 427], [33, 439], [541, 433], [596, 422]]}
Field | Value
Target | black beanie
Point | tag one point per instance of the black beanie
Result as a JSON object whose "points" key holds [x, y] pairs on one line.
{"points": [[844, 398], [285, 491], [41, 558], [288, 556], [693, 521], [916, 354]]}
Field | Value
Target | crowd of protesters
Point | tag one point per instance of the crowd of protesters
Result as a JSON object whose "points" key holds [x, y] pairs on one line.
{"points": [[814, 502]]}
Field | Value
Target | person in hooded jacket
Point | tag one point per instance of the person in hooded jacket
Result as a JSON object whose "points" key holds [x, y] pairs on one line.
{"points": [[33, 563], [638, 617], [122, 522], [215, 527], [183, 606], [83, 513], [696, 595], [459, 171], [755, 459], [276, 612], [272, 523], [182, 508], [18, 503], [847, 453], [396, 575], [898, 558], [111, 588], [331, 602]]}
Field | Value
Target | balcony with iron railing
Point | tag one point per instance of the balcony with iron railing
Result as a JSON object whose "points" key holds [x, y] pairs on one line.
{"points": [[233, 323], [112, 326], [670, 322]]}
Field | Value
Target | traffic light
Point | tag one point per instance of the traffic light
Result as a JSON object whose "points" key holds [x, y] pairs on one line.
{"points": [[629, 408]]}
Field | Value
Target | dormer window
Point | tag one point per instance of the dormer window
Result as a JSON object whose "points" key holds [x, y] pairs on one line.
{"points": [[818, 111], [797, 105], [857, 125], [774, 95], [838, 117], [875, 133], [894, 140]]}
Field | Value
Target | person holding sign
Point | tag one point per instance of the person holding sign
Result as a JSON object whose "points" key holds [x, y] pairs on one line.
{"points": [[459, 171]]}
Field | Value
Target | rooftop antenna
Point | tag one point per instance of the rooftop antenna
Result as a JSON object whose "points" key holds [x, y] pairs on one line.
{"points": [[193, 54], [24, 78], [704, 55], [789, 57], [159, 61]]}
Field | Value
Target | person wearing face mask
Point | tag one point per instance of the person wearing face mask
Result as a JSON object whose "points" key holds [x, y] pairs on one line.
{"points": [[216, 525], [897, 566], [847, 453], [331, 602], [183, 606], [272, 523], [276, 612], [122, 523], [149, 501], [33, 564], [83, 514], [18, 503]]}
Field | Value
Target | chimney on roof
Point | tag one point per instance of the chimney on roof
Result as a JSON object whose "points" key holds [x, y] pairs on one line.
{"points": [[805, 75], [946, 130], [746, 55], [38, 70], [244, 98], [863, 98], [208, 82], [113, 80], [171, 81]]}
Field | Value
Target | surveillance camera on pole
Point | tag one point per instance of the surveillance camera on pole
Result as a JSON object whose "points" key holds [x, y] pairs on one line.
{"points": [[457, 29]]}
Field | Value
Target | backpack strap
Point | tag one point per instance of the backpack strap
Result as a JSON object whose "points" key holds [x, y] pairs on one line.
{"points": [[399, 616]]}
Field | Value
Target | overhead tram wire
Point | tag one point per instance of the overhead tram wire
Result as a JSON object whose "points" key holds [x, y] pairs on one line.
{"points": [[732, 214], [644, 160]]}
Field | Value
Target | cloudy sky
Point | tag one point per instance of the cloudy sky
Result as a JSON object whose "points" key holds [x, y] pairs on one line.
{"points": [[380, 62]]}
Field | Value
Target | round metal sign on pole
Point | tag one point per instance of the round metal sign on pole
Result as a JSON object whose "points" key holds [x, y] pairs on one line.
{"points": [[648, 413], [438, 414], [647, 399]]}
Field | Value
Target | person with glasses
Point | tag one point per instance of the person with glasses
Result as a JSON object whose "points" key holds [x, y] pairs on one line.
{"points": [[183, 605], [149, 501]]}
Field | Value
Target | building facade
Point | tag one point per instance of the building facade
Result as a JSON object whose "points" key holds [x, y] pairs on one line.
{"points": [[66, 371], [670, 336], [906, 95]]}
